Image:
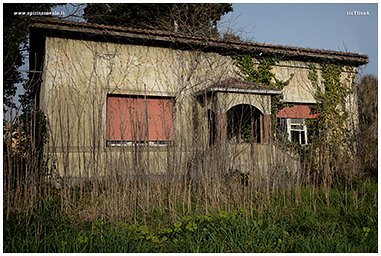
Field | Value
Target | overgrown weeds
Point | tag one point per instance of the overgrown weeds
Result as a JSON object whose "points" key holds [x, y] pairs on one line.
{"points": [[349, 224]]}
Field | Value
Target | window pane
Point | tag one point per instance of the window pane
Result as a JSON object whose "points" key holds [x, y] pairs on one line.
{"points": [[303, 138], [297, 127], [295, 136], [297, 120]]}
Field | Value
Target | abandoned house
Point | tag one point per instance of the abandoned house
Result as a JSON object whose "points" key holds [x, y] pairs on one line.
{"points": [[120, 99]]}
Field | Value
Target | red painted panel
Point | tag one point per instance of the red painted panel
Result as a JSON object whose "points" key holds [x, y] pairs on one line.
{"points": [[160, 119], [128, 116], [297, 111], [221, 126], [266, 129]]}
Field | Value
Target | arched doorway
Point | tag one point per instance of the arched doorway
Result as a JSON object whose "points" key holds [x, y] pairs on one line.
{"points": [[244, 124]]}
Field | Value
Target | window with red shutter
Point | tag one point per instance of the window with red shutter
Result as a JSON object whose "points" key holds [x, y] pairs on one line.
{"points": [[139, 119]]}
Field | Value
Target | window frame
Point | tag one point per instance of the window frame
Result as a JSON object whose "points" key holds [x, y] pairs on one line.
{"points": [[289, 126]]}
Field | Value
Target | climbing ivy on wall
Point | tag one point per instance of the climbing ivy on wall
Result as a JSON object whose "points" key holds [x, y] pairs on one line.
{"points": [[331, 92], [332, 85], [262, 74]]}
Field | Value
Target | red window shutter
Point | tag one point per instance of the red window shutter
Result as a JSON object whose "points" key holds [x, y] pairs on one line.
{"points": [[160, 124], [128, 116]]}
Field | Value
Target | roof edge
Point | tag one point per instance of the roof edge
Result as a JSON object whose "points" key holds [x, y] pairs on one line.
{"points": [[238, 90], [82, 27]]}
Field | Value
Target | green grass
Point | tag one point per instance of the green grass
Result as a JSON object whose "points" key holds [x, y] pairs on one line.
{"points": [[346, 225]]}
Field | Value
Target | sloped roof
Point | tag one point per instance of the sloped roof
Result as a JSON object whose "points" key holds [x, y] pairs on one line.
{"points": [[59, 25], [296, 111], [239, 86]]}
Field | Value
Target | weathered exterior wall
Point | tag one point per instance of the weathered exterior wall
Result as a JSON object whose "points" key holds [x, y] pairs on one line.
{"points": [[78, 75], [300, 89]]}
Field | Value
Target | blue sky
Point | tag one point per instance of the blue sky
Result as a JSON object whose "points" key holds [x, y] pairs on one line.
{"points": [[319, 26]]}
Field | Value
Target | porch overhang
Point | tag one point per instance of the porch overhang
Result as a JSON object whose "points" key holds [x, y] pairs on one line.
{"points": [[235, 85], [235, 90]]}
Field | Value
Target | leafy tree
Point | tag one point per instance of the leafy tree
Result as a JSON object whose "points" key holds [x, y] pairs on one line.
{"points": [[15, 40], [196, 19], [126, 15]]}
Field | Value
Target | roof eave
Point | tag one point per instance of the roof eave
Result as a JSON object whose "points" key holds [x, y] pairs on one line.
{"points": [[354, 59], [238, 90]]}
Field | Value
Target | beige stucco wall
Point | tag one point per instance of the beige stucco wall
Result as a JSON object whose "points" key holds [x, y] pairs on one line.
{"points": [[226, 101], [300, 89]]}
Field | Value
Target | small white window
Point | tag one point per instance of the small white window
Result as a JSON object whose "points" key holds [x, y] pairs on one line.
{"points": [[295, 129], [298, 130]]}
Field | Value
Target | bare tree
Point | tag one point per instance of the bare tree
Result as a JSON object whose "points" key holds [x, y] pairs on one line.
{"points": [[368, 110]]}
